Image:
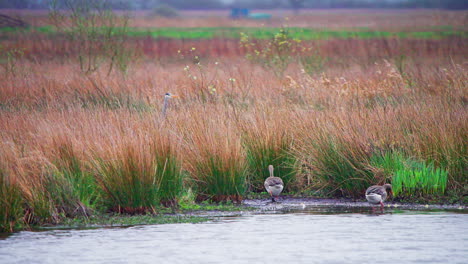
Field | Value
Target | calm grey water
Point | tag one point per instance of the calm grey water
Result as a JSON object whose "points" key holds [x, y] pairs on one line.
{"points": [[295, 237]]}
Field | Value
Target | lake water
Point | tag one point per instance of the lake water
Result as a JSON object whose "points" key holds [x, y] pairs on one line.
{"points": [[300, 236]]}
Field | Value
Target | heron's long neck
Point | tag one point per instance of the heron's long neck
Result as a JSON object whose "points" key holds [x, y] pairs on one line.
{"points": [[164, 106]]}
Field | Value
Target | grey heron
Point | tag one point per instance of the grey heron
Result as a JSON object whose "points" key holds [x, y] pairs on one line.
{"points": [[167, 96]]}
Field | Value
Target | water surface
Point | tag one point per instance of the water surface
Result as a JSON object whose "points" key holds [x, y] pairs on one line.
{"points": [[300, 236]]}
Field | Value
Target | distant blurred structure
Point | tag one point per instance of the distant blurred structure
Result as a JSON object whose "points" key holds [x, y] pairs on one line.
{"points": [[259, 16], [239, 12]]}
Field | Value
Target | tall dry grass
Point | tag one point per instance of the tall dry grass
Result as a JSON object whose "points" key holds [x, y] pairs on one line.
{"points": [[61, 130]]}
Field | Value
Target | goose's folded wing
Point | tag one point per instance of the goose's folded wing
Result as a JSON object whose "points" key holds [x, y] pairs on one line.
{"points": [[273, 181], [376, 190]]}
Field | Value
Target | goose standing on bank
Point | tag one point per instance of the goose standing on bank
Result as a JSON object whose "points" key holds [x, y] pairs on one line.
{"points": [[273, 185], [377, 194]]}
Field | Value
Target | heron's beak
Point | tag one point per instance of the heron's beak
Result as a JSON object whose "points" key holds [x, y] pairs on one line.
{"points": [[174, 96]]}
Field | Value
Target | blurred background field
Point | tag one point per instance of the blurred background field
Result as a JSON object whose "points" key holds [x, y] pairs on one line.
{"points": [[373, 19]]}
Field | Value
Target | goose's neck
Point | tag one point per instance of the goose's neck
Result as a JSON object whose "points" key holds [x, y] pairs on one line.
{"points": [[270, 168]]}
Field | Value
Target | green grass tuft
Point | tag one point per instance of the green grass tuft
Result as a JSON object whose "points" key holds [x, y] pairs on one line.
{"points": [[411, 178], [339, 167], [82, 181], [221, 179], [418, 179], [170, 178], [136, 178], [129, 183], [11, 209], [261, 153]]}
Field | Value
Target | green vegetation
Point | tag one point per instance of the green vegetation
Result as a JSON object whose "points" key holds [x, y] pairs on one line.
{"points": [[227, 206], [267, 144], [110, 220], [339, 166], [217, 163], [256, 33], [11, 209], [82, 183], [137, 180], [128, 188], [420, 179], [411, 178], [221, 179]]}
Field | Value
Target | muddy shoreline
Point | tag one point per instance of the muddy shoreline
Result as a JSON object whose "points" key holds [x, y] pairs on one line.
{"points": [[286, 203], [324, 206]]}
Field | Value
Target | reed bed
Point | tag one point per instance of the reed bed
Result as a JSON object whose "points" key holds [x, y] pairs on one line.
{"points": [[72, 143]]}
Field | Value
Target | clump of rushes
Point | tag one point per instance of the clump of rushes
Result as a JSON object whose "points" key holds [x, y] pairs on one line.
{"points": [[217, 161], [267, 143], [82, 182], [60, 192], [11, 209], [23, 191], [138, 174], [418, 179], [49, 196], [169, 170], [411, 178], [336, 164], [384, 165]]}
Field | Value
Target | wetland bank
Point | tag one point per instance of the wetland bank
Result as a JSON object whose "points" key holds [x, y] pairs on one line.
{"points": [[82, 134], [299, 229]]}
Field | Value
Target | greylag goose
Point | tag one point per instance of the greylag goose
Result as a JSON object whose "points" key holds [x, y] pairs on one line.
{"points": [[377, 194], [273, 185]]}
